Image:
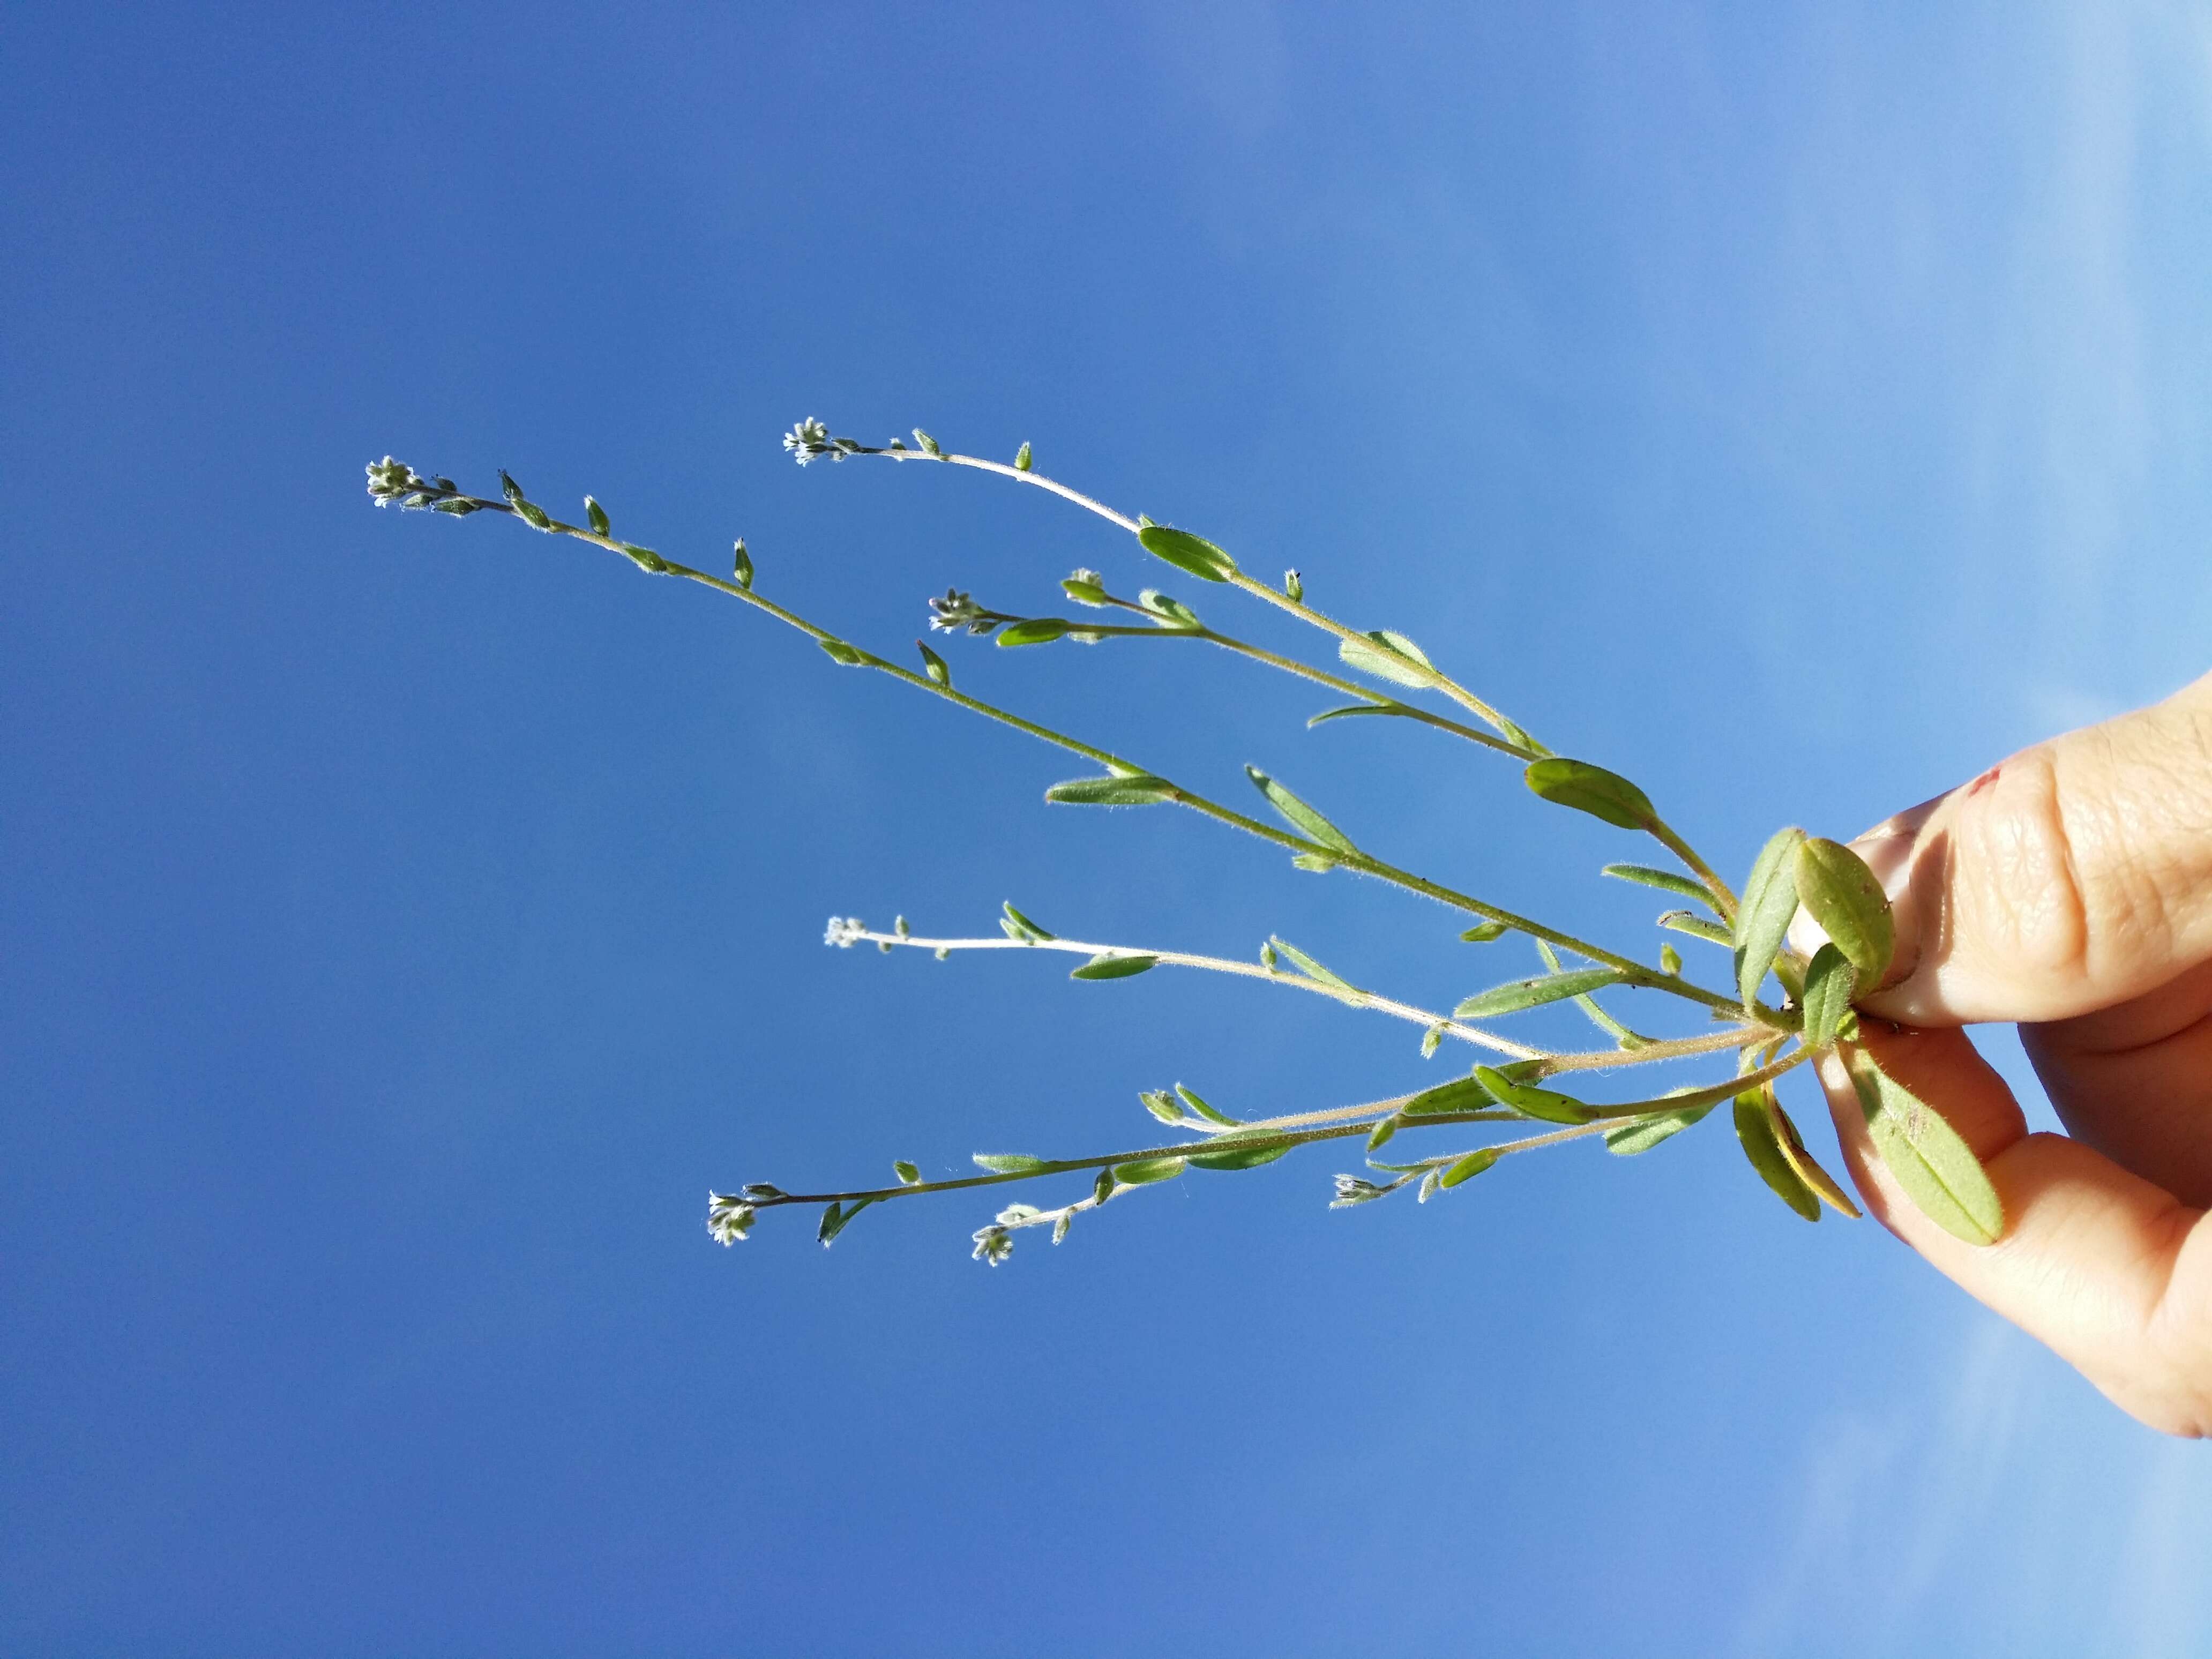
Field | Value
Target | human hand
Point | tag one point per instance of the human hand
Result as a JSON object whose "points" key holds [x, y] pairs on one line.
{"points": [[2069, 889]]}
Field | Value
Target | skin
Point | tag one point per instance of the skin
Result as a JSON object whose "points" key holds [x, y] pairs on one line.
{"points": [[2069, 889]]}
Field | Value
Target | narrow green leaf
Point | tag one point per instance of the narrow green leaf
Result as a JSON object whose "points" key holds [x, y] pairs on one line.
{"points": [[1483, 932], [1641, 1134], [1665, 880], [1830, 981], [1755, 1128], [933, 665], [1237, 1154], [835, 1220], [1514, 995], [1212, 1114], [1546, 1104], [1808, 1167], [1299, 816], [597, 517], [1113, 790], [1769, 899], [1840, 893], [1104, 966], [1142, 1171], [1682, 921], [741, 565], [1591, 789], [1379, 654], [1936, 1168], [841, 652], [1588, 1004], [909, 1175], [1022, 458], [1023, 927], [1036, 630], [1007, 1163], [1161, 1105], [1308, 966], [1462, 1094], [1350, 709], [1186, 552], [1468, 1167]]}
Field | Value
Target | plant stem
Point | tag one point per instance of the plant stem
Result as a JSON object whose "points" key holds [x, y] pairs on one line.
{"points": [[1352, 998]]}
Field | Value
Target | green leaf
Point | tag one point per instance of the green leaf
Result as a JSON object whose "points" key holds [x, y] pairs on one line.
{"points": [[1808, 1167], [1462, 1094], [1769, 899], [1007, 1163], [1107, 966], [1839, 892], [1161, 1105], [1022, 458], [1546, 1104], [1682, 921], [1239, 1153], [741, 565], [1468, 1167], [1023, 927], [1665, 880], [1514, 995], [909, 1175], [1142, 1171], [1036, 630], [1829, 983], [1171, 610], [1936, 1168], [1186, 552], [835, 1220], [1483, 932], [1386, 656], [1308, 966], [933, 665], [1641, 1134], [1142, 789], [1211, 1115], [1299, 816], [1591, 789], [1761, 1136], [842, 653], [597, 517], [1350, 709]]}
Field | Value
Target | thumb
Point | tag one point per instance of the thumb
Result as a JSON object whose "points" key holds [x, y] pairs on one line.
{"points": [[2074, 876]]}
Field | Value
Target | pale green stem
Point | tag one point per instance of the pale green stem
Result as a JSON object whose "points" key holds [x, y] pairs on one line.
{"points": [[1352, 998]]}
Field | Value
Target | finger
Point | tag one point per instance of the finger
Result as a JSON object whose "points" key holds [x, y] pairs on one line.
{"points": [[2113, 1272], [2136, 1082], [2067, 878]]}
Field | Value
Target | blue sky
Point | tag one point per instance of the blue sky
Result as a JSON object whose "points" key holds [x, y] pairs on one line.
{"points": [[406, 921]]}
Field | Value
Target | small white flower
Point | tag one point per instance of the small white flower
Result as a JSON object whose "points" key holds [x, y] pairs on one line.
{"points": [[844, 931], [728, 1217], [809, 439]]}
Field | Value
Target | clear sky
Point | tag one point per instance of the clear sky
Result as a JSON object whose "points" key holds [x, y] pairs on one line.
{"points": [[405, 922]]}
